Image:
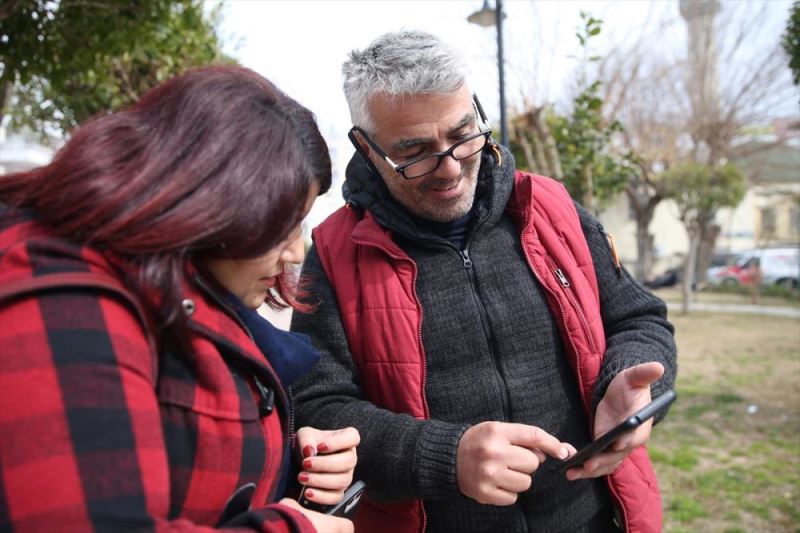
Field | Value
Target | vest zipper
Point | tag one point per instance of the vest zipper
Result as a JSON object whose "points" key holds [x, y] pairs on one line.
{"points": [[562, 278], [424, 371], [574, 301], [566, 327], [487, 331]]}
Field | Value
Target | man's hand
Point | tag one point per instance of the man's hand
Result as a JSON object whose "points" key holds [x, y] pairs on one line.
{"points": [[328, 460], [495, 460], [628, 392]]}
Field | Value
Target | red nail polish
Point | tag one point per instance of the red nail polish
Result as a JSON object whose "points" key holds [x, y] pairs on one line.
{"points": [[303, 478], [309, 494], [308, 451], [322, 447], [307, 464]]}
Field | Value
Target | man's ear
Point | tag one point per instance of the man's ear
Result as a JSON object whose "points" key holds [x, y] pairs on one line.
{"points": [[366, 149], [363, 148], [359, 142]]}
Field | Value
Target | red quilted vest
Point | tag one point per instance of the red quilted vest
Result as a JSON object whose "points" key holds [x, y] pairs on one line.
{"points": [[375, 284]]}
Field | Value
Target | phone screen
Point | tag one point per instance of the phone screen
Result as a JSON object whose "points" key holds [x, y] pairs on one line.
{"points": [[629, 424]]}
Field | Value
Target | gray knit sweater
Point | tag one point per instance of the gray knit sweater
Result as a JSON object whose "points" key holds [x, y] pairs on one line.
{"points": [[493, 353]]}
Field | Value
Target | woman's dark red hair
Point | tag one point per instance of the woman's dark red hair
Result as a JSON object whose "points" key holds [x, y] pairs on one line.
{"points": [[215, 163]]}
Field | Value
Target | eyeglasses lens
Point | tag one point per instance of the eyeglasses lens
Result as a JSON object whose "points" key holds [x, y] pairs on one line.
{"points": [[459, 151]]}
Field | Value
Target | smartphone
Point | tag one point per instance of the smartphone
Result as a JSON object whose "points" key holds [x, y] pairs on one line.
{"points": [[346, 507], [629, 424]]}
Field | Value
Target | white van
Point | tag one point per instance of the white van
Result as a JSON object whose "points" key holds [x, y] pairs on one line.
{"points": [[779, 266]]}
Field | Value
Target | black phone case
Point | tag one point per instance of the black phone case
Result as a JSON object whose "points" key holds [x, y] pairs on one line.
{"points": [[608, 438], [346, 506]]}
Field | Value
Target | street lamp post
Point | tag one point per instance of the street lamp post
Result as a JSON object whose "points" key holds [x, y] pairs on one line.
{"points": [[494, 17]]}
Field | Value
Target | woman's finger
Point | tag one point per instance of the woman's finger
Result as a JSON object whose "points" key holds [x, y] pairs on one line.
{"points": [[331, 482], [343, 461], [337, 440]]}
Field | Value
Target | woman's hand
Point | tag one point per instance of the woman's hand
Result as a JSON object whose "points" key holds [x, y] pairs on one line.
{"points": [[321, 522], [328, 461]]}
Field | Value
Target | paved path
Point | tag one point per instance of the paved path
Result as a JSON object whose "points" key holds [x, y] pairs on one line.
{"points": [[787, 312]]}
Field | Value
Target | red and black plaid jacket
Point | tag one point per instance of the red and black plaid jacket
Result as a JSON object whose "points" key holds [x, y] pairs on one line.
{"points": [[99, 433]]}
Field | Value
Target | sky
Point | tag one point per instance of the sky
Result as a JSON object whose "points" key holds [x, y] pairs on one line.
{"points": [[300, 45]]}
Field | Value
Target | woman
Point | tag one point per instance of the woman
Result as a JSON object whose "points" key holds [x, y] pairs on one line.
{"points": [[138, 389]]}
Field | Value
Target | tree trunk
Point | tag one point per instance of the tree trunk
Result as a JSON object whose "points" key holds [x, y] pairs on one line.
{"points": [[644, 250], [644, 208], [588, 189], [709, 231], [538, 154], [689, 267], [527, 150], [548, 144], [5, 96]]}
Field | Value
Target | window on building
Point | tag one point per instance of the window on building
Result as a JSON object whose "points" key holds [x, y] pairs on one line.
{"points": [[794, 220], [768, 222]]}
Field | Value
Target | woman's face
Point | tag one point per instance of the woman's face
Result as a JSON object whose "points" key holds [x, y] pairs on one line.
{"points": [[251, 279]]}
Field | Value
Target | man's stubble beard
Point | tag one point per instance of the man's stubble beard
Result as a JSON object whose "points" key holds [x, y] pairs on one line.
{"points": [[422, 206]]}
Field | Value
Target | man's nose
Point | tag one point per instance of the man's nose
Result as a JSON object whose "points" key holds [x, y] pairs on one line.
{"points": [[449, 168]]}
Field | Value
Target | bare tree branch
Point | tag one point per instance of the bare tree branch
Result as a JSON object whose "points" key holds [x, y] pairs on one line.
{"points": [[125, 81]]}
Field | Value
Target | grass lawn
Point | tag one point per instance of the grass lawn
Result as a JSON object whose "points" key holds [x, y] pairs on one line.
{"points": [[728, 454]]}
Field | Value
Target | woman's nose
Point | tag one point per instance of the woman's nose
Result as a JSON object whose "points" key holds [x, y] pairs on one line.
{"points": [[295, 250]]}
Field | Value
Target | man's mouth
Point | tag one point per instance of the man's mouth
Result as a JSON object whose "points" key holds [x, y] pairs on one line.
{"points": [[441, 187]]}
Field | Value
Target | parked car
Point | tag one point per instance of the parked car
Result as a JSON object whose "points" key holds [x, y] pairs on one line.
{"points": [[775, 266], [668, 278], [719, 262]]}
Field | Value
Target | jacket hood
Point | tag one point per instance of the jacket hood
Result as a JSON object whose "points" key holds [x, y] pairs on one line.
{"points": [[364, 188]]}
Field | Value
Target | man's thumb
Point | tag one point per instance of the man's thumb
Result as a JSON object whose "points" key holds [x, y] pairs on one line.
{"points": [[644, 374]]}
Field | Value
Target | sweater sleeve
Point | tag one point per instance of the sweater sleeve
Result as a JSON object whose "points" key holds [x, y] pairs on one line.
{"points": [[635, 321], [399, 457]]}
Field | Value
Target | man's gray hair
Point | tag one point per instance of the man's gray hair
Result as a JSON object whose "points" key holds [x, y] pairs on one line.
{"points": [[400, 64]]}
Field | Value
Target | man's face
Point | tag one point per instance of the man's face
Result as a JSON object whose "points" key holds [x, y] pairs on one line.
{"points": [[411, 127]]}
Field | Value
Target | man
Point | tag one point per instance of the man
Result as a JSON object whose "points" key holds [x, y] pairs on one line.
{"points": [[474, 325]]}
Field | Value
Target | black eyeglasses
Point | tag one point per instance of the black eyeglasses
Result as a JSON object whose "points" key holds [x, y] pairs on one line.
{"points": [[416, 168]]}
